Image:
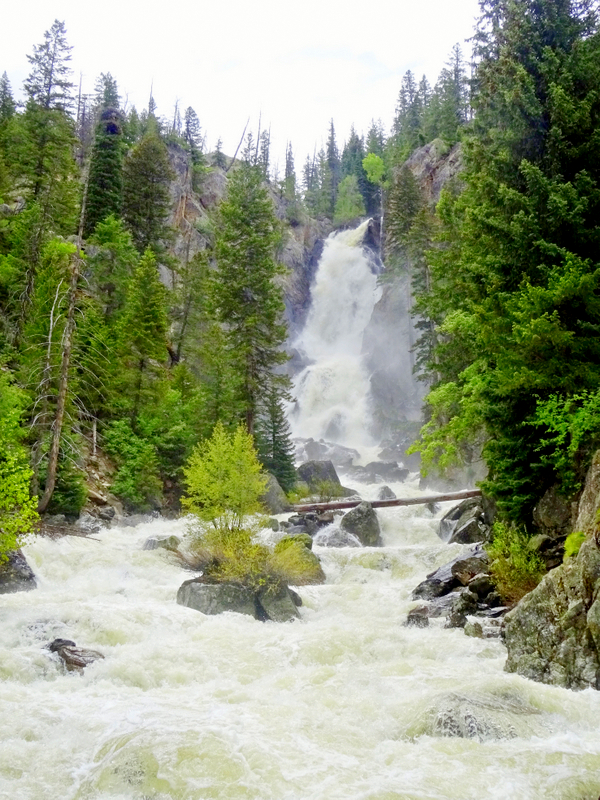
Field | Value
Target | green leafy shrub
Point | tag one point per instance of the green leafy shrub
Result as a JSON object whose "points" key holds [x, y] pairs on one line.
{"points": [[294, 561], [328, 491], [572, 544], [515, 568]]}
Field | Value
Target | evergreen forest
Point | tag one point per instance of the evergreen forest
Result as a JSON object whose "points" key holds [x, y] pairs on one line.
{"points": [[127, 334]]}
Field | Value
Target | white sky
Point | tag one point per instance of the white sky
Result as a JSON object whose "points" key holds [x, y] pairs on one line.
{"points": [[299, 63]]}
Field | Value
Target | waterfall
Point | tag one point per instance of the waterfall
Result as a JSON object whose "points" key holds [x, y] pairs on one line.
{"points": [[332, 393]]}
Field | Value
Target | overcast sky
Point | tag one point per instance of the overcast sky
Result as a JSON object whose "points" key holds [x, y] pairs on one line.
{"points": [[298, 63]]}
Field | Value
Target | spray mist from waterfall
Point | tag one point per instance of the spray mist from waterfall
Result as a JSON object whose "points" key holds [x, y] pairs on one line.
{"points": [[332, 394]]}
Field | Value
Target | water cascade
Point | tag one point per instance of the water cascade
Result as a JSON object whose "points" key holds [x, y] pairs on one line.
{"points": [[332, 393]]}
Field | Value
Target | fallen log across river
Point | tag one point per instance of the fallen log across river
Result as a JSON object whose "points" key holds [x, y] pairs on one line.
{"points": [[400, 501]]}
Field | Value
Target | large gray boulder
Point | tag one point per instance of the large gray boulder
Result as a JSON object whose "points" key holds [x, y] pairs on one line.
{"points": [[316, 472], [553, 634], [278, 606], [274, 499], [213, 598], [465, 523], [162, 543], [363, 523], [456, 573], [15, 574], [216, 598]]}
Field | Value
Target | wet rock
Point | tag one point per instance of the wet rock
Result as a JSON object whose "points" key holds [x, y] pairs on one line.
{"points": [[465, 523], [552, 514], [216, 598], [278, 606], [388, 470], [88, 523], [363, 523], [336, 537], [448, 577], [15, 574], [316, 472], [274, 499], [385, 493], [273, 524], [418, 617], [74, 658], [483, 717], [106, 513], [468, 568], [162, 542], [474, 629], [379, 471], [481, 585], [553, 634]]}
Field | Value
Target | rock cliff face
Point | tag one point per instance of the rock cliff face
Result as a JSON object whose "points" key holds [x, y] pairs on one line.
{"points": [[553, 634], [190, 218]]}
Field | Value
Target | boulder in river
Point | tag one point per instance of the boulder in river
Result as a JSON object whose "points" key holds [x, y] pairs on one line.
{"points": [[274, 498], [455, 573], [162, 542], [385, 493], [316, 472], [363, 523], [15, 574], [212, 598], [465, 523], [74, 658]]}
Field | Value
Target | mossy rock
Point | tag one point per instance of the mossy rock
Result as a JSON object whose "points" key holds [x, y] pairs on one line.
{"points": [[295, 562]]}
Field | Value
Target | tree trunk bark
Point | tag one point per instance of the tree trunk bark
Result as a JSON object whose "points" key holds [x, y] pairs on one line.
{"points": [[403, 501]]}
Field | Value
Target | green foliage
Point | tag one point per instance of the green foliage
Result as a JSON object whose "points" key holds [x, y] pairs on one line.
{"points": [[374, 166], [105, 182], [70, 492], [514, 282], [328, 491], [273, 440], [246, 299], [224, 480], [295, 563], [573, 543], [136, 482], [147, 173], [349, 205], [18, 513], [515, 568], [570, 434]]}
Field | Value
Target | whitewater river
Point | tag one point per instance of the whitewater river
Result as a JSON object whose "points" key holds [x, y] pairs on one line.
{"points": [[345, 703]]}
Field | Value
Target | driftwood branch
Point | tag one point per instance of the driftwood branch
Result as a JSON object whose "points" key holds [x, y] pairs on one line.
{"points": [[402, 501]]}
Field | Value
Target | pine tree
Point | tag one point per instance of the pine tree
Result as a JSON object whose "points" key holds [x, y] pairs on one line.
{"points": [[106, 94], [219, 159], [48, 84], [7, 102], [142, 334], [516, 283], [247, 300], [105, 181], [334, 167], [273, 440], [147, 173]]}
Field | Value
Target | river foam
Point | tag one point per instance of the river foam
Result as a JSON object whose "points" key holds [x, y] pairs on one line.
{"points": [[345, 704]]}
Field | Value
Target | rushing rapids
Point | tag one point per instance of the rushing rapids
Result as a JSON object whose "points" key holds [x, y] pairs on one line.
{"points": [[345, 703]]}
